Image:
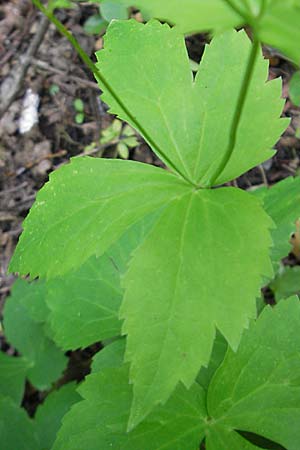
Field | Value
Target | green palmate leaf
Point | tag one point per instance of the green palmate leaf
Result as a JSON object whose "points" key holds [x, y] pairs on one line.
{"points": [[46, 361], [16, 428], [276, 22], [97, 423], [282, 203], [86, 206], [195, 117], [12, 376], [257, 389], [286, 283], [49, 415], [84, 305], [208, 236]]}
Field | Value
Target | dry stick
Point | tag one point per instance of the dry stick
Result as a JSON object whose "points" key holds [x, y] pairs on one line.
{"points": [[103, 81], [45, 66], [13, 83]]}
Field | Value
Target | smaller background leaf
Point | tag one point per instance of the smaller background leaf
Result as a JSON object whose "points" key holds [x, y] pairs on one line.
{"points": [[294, 90], [112, 356], [49, 415], [13, 372], [286, 283], [282, 203], [16, 428], [94, 24], [29, 338], [111, 10]]}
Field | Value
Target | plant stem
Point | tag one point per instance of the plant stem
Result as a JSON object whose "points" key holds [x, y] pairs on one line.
{"points": [[238, 110], [103, 82]]}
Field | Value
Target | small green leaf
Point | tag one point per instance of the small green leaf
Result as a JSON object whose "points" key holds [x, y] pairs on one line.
{"points": [[131, 142], [95, 24], [112, 356], [295, 88], [112, 10], [49, 415], [128, 131], [79, 118], [13, 371], [286, 283], [282, 204], [78, 105], [54, 89], [47, 362], [122, 150], [16, 428]]}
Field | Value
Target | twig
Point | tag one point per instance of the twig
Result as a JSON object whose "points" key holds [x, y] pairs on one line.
{"points": [[14, 189], [263, 175], [13, 83], [45, 66]]}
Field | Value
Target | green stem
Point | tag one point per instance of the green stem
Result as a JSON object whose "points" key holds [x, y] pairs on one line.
{"points": [[238, 110], [103, 82]]}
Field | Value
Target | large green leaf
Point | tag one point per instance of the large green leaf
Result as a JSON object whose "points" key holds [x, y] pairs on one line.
{"points": [[282, 203], [100, 420], [212, 241], [194, 117], [257, 389], [17, 430], [46, 360], [277, 25], [13, 371], [48, 417], [87, 205], [84, 305]]}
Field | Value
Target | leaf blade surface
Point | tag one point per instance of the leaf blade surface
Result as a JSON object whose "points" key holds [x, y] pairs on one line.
{"points": [[171, 323], [87, 205]]}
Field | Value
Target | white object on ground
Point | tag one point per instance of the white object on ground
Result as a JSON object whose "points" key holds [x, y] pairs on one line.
{"points": [[29, 113]]}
